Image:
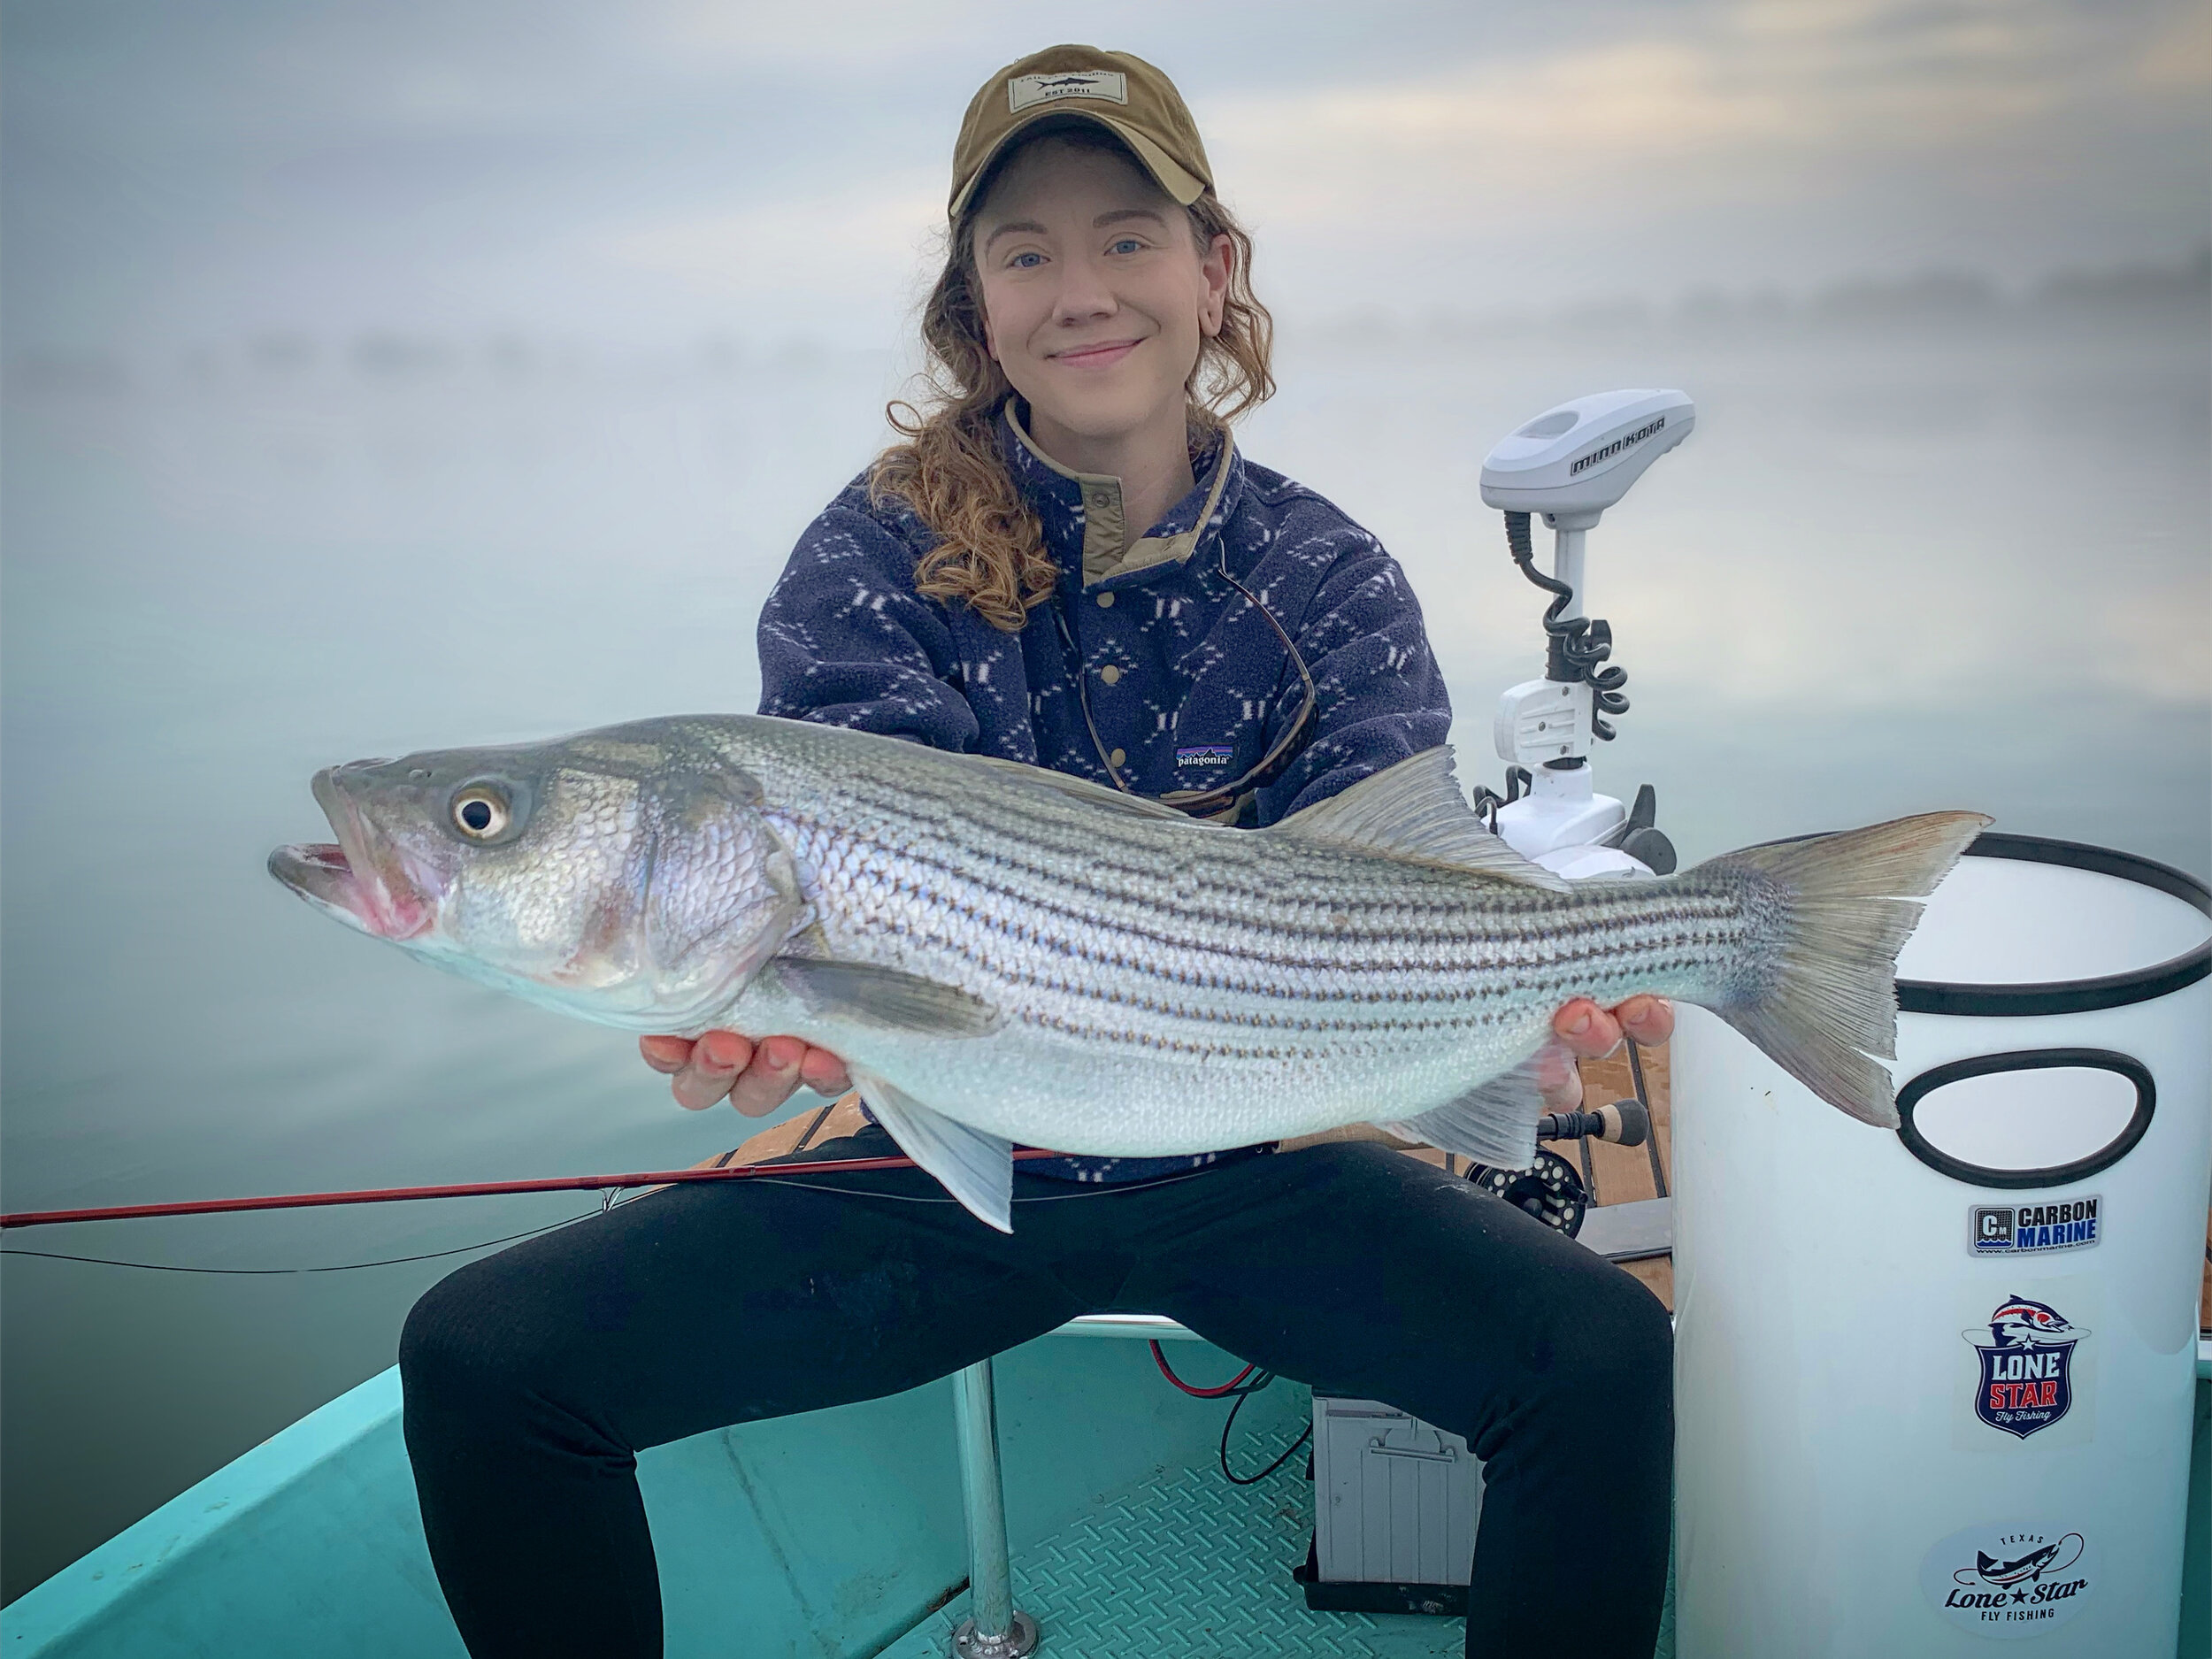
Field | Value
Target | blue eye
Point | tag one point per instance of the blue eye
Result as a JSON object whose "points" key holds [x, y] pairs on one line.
{"points": [[1126, 244], [1027, 261]]}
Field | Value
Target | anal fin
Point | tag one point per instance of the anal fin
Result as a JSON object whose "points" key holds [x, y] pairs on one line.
{"points": [[1494, 1123], [976, 1168]]}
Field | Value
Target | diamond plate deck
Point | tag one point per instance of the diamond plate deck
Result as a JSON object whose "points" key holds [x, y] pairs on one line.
{"points": [[1190, 1567]]}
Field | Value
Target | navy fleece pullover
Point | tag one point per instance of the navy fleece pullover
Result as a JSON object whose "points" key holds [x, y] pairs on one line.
{"points": [[1188, 686]]}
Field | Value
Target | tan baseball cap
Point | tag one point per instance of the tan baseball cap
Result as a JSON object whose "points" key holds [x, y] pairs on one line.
{"points": [[1125, 95]]}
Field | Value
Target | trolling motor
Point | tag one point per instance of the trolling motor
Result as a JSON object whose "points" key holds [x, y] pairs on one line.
{"points": [[1570, 464]]}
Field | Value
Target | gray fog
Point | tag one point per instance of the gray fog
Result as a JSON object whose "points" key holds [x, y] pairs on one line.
{"points": [[396, 375]]}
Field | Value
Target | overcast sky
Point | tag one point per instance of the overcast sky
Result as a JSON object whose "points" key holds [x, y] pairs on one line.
{"points": [[655, 170]]}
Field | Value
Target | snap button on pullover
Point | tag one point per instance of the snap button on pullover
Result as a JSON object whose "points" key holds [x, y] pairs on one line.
{"points": [[1117, 758], [1109, 674], [1106, 602]]}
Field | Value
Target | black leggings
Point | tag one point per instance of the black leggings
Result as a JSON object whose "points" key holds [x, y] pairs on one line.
{"points": [[533, 1378]]}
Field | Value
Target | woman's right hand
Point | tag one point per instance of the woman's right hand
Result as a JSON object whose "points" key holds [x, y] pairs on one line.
{"points": [[757, 1077]]}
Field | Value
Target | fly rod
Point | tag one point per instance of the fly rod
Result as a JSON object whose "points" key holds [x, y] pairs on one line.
{"points": [[468, 1189]]}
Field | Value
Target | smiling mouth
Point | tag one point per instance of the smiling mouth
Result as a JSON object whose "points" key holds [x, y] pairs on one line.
{"points": [[1098, 356]]}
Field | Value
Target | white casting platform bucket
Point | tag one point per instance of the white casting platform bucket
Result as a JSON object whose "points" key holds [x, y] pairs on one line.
{"points": [[1934, 1385]]}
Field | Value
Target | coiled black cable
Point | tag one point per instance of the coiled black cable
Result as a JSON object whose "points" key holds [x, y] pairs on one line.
{"points": [[1578, 647]]}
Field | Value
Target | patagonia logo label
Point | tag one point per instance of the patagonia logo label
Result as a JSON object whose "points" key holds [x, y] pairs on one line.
{"points": [[2029, 1229], [1023, 91], [1203, 755]]}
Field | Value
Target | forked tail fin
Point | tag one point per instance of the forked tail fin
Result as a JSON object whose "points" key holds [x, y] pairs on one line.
{"points": [[1833, 913]]}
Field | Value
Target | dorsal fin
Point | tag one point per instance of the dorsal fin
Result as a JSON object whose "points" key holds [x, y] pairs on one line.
{"points": [[1083, 789], [1414, 812]]}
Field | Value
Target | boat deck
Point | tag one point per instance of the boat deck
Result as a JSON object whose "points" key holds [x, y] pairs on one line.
{"points": [[837, 1533], [1189, 1567]]}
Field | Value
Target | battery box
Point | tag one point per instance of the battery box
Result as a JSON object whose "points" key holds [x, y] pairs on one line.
{"points": [[1395, 1501]]}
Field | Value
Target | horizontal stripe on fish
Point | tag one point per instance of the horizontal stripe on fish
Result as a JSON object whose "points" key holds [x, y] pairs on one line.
{"points": [[963, 907]]}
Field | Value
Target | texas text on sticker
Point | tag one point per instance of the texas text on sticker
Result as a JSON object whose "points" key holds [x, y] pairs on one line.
{"points": [[2029, 1229]]}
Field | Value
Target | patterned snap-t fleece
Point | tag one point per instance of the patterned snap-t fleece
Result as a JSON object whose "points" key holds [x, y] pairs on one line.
{"points": [[1187, 684]]}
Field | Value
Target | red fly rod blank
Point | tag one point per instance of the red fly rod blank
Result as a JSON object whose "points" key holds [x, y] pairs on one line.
{"points": [[466, 1189]]}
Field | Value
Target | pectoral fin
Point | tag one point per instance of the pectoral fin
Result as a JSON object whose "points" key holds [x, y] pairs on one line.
{"points": [[975, 1168], [886, 997], [1495, 1122]]}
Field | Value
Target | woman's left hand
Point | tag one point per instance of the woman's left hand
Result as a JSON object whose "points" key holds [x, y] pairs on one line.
{"points": [[1590, 1032]]}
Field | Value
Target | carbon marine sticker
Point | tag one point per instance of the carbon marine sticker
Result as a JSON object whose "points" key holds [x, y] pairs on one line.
{"points": [[2032, 1229], [2009, 1580]]}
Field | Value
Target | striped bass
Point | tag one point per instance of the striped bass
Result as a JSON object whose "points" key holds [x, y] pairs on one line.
{"points": [[1004, 953]]}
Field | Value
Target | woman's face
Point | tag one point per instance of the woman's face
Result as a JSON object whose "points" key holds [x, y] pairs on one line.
{"points": [[1096, 294]]}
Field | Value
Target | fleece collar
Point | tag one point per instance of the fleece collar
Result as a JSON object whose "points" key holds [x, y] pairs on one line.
{"points": [[1085, 523]]}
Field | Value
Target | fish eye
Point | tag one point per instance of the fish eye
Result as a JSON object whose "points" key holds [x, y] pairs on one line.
{"points": [[480, 812]]}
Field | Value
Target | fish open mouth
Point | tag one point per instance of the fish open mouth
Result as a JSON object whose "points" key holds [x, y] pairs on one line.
{"points": [[321, 873], [346, 878]]}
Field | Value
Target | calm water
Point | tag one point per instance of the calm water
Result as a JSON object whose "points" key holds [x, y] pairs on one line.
{"points": [[1968, 566]]}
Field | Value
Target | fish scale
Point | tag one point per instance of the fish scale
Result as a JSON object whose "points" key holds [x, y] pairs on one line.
{"points": [[1522, 949], [1001, 953], [1220, 951]]}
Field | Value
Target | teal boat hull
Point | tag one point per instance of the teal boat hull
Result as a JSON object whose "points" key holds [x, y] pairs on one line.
{"points": [[832, 1535]]}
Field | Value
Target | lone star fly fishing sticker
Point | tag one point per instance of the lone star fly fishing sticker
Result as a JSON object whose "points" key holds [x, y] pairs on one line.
{"points": [[2027, 1366], [2014, 1580]]}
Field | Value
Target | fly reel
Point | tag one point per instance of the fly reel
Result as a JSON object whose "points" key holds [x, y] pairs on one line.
{"points": [[1550, 1190]]}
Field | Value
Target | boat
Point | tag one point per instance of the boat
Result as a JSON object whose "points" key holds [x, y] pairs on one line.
{"points": [[847, 1533], [1064, 1498]]}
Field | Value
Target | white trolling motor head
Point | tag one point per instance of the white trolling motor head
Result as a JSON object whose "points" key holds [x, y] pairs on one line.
{"points": [[1570, 463], [1573, 462]]}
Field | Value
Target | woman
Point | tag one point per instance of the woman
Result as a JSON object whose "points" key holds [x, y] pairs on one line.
{"points": [[1067, 563]]}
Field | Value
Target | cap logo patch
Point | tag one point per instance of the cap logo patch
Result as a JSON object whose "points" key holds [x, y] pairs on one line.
{"points": [[1023, 91]]}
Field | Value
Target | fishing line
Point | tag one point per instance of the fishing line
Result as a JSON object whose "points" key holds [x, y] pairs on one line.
{"points": [[1104, 1190], [336, 1267], [552, 1226]]}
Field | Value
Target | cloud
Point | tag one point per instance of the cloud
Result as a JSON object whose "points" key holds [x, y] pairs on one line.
{"points": [[1737, 104], [823, 35], [2180, 59], [817, 256], [1757, 141], [214, 168]]}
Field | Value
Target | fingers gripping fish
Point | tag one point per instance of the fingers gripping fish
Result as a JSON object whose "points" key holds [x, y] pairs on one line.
{"points": [[1004, 953]]}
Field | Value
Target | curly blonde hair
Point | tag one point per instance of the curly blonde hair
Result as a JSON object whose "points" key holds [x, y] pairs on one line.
{"points": [[990, 550]]}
